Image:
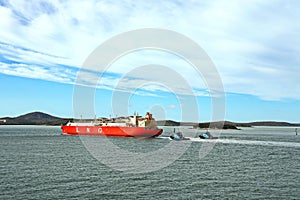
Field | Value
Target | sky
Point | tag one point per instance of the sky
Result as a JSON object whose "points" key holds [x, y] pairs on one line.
{"points": [[254, 45]]}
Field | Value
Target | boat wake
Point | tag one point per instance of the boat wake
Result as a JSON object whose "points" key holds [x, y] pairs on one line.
{"points": [[245, 142]]}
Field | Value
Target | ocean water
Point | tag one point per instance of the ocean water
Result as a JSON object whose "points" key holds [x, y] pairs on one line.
{"points": [[37, 162]]}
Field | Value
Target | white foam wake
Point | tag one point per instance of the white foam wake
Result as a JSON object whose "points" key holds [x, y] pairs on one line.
{"points": [[246, 142], [250, 142]]}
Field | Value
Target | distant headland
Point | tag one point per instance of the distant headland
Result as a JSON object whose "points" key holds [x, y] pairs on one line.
{"points": [[40, 118], [226, 124], [34, 118]]}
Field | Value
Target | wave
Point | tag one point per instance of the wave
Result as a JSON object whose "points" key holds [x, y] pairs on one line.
{"points": [[246, 142]]}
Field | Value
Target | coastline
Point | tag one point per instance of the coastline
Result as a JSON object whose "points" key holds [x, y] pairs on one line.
{"points": [[43, 119]]}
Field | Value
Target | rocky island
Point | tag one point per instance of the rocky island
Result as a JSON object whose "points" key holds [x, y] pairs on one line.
{"points": [[40, 118]]}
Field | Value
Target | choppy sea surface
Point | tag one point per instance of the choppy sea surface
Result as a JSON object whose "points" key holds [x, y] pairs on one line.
{"points": [[37, 162]]}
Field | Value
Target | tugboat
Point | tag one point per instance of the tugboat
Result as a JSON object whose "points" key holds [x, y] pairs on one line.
{"points": [[207, 135], [178, 136], [132, 126]]}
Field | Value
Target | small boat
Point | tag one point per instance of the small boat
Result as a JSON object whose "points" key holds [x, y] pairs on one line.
{"points": [[178, 136], [207, 135]]}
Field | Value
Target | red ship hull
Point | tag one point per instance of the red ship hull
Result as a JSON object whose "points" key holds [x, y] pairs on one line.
{"points": [[113, 131]]}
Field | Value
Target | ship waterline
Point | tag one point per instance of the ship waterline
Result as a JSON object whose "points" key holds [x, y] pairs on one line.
{"points": [[113, 131]]}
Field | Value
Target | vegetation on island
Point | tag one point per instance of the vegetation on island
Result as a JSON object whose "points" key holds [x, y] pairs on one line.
{"points": [[34, 118], [40, 118]]}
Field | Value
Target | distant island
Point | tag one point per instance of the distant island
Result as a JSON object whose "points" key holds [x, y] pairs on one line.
{"points": [[40, 118], [34, 118], [225, 124]]}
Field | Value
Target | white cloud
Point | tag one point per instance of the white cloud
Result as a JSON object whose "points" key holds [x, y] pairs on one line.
{"points": [[255, 45], [38, 72]]}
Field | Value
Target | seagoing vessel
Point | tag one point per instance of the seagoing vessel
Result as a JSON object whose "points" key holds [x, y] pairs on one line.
{"points": [[131, 126]]}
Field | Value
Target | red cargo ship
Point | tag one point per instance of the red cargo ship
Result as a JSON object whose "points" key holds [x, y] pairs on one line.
{"points": [[132, 126]]}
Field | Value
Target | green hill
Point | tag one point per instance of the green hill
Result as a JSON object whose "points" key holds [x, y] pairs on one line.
{"points": [[34, 118], [40, 118]]}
